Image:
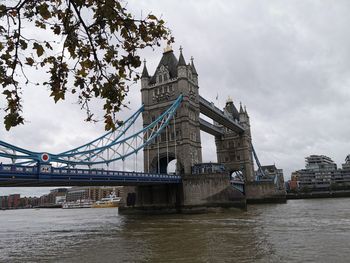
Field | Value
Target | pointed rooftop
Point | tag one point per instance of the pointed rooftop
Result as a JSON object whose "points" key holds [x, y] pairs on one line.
{"points": [[144, 71], [194, 71], [245, 110], [240, 108], [169, 61], [182, 61], [230, 108]]}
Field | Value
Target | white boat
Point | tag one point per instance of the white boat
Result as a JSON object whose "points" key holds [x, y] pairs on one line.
{"points": [[78, 204], [111, 201]]}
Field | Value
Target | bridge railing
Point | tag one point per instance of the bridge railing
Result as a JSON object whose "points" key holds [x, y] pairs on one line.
{"points": [[16, 169], [10, 168]]}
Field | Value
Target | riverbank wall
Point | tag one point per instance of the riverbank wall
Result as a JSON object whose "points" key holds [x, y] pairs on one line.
{"points": [[264, 192], [323, 194]]}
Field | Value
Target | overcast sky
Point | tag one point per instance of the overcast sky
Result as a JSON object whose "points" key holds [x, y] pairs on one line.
{"points": [[287, 61]]}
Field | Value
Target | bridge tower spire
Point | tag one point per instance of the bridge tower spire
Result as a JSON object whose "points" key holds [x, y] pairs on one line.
{"points": [[181, 140], [235, 150]]}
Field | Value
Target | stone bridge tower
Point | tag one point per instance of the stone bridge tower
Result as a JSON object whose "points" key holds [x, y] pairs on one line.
{"points": [[181, 139], [234, 149]]}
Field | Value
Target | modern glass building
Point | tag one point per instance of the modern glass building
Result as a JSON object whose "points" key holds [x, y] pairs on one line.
{"points": [[321, 174]]}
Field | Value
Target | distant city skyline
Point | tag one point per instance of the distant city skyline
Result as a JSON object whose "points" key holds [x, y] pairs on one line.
{"points": [[287, 62]]}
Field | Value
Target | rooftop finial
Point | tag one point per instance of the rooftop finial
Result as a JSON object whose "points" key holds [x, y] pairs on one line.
{"points": [[144, 62], [192, 59], [168, 48], [229, 99], [180, 49]]}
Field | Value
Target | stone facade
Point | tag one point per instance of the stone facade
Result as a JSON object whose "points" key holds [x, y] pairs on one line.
{"points": [[210, 190], [264, 192], [235, 150], [181, 139]]}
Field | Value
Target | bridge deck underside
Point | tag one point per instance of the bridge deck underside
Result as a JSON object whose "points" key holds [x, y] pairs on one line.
{"points": [[210, 128], [209, 110]]}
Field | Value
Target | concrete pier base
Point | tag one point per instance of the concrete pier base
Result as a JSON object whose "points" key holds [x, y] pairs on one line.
{"points": [[210, 191], [264, 192], [196, 194]]}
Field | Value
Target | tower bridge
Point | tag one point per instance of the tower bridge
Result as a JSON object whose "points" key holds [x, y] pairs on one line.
{"points": [[170, 111]]}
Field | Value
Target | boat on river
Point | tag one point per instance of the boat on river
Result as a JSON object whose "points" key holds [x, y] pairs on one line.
{"points": [[78, 204], [111, 201]]}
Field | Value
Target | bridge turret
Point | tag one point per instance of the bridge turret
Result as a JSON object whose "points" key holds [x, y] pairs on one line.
{"points": [[172, 78], [194, 72], [145, 78], [233, 149], [231, 109], [181, 66], [242, 115], [246, 113], [244, 118]]}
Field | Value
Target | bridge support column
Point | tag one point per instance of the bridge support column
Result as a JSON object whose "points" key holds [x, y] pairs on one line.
{"points": [[196, 194], [151, 199], [206, 192]]}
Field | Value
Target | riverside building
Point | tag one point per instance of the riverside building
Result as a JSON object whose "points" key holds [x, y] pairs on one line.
{"points": [[91, 193], [321, 174]]}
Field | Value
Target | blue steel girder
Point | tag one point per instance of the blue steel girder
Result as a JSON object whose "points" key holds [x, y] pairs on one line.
{"points": [[107, 139], [112, 146], [124, 147], [16, 153]]}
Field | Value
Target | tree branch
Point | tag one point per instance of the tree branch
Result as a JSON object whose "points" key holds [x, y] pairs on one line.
{"points": [[17, 45], [88, 34]]}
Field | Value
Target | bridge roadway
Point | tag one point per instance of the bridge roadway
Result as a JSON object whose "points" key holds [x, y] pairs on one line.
{"points": [[46, 175], [210, 128], [208, 109]]}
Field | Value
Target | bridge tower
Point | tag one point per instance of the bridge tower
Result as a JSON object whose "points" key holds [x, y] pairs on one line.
{"points": [[234, 149], [181, 139]]}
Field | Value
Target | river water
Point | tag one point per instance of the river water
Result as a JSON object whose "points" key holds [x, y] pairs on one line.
{"points": [[300, 231]]}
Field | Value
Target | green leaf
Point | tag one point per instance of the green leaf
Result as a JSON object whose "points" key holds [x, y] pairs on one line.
{"points": [[7, 93], [30, 61], [57, 29], [152, 17], [39, 49], [44, 11], [23, 44], [12, 119]]}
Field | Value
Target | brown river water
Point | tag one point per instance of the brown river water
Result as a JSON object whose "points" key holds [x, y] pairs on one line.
{"points": [[300, 231]]}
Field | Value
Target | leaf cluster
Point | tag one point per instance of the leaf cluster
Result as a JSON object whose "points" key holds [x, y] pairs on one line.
{"points": [[96, 57]]}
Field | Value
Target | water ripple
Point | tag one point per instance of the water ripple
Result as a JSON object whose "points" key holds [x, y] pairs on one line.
{"points": [[299, 231]]}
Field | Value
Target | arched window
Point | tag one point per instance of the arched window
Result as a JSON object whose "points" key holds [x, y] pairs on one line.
{"points": [[165, 77], [160, 79]]}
